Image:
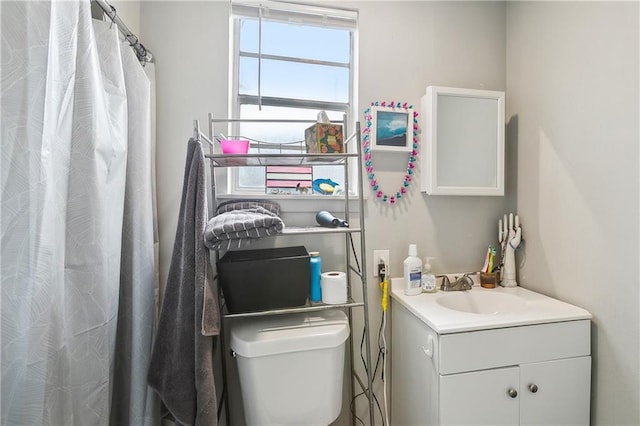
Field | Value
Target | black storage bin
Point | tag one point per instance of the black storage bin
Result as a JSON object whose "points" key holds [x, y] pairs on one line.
{"points": [[258, 280]]}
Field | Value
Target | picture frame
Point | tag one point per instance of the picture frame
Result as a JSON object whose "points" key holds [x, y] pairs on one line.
{"points": [[391, 128]]}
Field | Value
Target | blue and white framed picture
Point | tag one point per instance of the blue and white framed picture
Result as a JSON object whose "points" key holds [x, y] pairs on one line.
{"points": [[391, 129]]}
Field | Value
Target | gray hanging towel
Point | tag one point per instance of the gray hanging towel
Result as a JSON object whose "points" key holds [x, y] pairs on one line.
{"points": [[181, 368]]}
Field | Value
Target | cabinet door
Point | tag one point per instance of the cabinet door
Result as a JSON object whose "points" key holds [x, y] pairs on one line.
{"points": [[414, 380], [480, 398], [556, 392]]}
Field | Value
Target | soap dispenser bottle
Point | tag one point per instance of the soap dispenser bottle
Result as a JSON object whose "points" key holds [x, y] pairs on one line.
{"points": [[428, 278], [412, 272]]}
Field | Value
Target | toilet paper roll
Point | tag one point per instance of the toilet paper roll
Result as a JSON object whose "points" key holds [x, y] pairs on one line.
{"points": [[334, 287]]}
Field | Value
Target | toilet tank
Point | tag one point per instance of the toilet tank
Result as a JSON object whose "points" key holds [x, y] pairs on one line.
{"points": [[291, 367]]}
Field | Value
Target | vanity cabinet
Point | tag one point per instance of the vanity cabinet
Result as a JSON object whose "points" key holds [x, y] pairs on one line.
{"points": [[527, 375], [544, 393]]}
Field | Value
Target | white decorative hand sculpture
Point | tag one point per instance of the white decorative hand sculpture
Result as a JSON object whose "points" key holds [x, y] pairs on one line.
{"points": [[510, 243]]}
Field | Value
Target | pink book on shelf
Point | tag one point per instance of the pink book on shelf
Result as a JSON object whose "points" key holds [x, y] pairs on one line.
{"points": [[288, 178], [287, 184]]}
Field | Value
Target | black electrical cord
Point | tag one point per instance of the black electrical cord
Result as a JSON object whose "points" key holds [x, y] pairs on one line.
{"points": [[351, 408], [380, 352], [381, 349], [379, 359], [375, 398], [353, 400], [355, 255]]}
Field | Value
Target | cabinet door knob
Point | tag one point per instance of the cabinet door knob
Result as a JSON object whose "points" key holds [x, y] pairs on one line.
{"points": [[512, 392], [533, 388], [428, 351]]}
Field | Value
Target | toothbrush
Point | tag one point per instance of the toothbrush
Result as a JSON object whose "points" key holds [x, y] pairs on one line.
{"points": [[487, 257], [491, 257]]}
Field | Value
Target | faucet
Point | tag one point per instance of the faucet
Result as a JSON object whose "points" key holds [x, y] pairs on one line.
{"points": [[463, 283]]}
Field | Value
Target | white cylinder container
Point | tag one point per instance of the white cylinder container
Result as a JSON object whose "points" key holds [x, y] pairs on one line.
{"points": [[412, 266], [291, 367], [334, 287]]}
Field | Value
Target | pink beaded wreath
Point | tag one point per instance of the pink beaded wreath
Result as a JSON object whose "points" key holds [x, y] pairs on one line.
{"points": [[366, 149]]}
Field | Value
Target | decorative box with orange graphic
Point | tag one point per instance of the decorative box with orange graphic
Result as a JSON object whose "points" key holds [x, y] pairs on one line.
{"points": [[324, 138]]}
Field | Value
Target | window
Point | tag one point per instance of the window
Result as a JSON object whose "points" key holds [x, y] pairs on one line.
{"points": [[291, 61]]}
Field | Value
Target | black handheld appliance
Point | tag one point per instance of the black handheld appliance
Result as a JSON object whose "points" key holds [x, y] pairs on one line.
{"points": [[324, 218]]}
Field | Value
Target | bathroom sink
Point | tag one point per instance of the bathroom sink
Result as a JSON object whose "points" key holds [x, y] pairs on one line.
{"points": [[481, 308], [484, 303]]}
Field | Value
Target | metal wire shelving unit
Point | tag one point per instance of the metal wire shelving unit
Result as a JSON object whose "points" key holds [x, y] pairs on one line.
{"points": [[358, 272]]}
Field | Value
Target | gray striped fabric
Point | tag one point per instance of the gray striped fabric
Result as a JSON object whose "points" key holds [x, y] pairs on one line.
{"points": [[239, 223]]}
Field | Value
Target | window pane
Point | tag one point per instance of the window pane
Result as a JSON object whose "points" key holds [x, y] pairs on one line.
{"points": [[295, 40], [291, 134], [294, 80], [279, 132]]}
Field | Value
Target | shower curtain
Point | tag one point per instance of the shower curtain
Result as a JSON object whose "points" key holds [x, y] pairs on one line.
{"points": [[77, 266]]}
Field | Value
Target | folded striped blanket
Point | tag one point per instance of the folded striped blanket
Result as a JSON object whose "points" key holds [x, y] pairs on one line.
{"points": [[239, 223]]}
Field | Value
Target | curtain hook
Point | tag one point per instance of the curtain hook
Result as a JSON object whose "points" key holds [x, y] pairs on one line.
{"points": [[113, 17], [135, 40], [142, 54]]}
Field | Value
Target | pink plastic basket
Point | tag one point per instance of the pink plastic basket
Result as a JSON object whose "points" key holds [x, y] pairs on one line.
{"points": [[234, 146]]}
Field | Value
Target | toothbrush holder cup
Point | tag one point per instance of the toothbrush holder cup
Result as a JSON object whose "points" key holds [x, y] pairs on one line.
{"points": [[488, 279]]}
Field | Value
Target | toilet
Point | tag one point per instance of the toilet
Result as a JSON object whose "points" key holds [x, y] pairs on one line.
{"points": [[291, 367]]}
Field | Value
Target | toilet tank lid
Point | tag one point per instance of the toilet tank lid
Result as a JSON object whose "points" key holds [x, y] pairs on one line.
{"points": [[279, 334]]}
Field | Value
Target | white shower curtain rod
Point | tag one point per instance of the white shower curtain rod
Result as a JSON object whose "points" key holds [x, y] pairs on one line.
{"points": [[142, 53]]}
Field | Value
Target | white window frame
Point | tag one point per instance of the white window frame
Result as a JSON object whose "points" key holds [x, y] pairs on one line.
{"points": [[305, 14]]}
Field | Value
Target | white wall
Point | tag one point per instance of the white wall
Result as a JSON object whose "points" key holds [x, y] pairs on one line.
{"points": [[404, 47], [129, 13], [189, 41], [571, 75], [572, 97], [455, 43], [458, 44]]}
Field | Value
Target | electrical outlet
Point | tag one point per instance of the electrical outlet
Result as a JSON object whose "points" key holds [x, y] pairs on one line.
{"points": [[377, 256]]}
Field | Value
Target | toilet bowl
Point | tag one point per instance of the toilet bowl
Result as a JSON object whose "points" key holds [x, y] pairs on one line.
{"points": [[291, 367]]}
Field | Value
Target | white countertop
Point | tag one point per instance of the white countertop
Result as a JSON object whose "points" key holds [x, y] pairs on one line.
{"points": [[534, 308]]}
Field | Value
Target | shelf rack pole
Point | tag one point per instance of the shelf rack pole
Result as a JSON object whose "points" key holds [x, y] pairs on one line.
{"points": [[365, 297], [347, 249], [222, 344], [214, 198]]}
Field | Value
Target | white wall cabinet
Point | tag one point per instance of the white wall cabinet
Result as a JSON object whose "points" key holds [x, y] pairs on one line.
{"points": [[509, 376], [464, 140]]}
